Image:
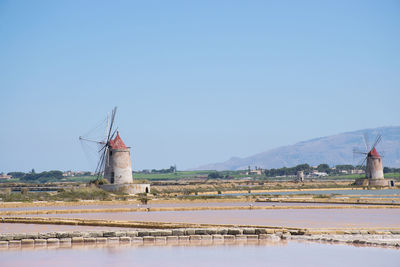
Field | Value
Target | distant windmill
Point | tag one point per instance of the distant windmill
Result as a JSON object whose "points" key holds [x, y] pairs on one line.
{"points": [[374, 169], [114, 161]]}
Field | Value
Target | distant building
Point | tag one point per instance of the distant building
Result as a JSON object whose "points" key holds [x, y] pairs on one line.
{"points": [[318, 174], [4, 176], [68, 174], [77, 173], [255, 172], [300, 176], [357, 172]]}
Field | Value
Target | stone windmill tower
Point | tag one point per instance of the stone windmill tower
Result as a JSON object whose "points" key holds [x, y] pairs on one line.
{"points": [[115, 162], [374, 169]]}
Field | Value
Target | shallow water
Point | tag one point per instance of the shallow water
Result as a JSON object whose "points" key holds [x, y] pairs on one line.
{"points": [[280, 254], [307, 218], [193, 204], [326, 192]]}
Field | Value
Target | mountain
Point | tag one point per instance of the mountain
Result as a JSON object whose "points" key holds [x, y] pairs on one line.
{"points": [[333, 150]]}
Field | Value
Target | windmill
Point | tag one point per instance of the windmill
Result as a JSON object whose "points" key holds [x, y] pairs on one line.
{"points": [[373, 161], [114, 161]]}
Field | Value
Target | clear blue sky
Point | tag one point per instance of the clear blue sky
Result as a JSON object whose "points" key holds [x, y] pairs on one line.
{"points": [[195, 82]]}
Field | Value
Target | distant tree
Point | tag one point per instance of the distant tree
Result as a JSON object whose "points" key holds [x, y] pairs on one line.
{"points": [[171, 169], [33, 171], [43, 176], [215, 175], [389, 170], [323, 168], [16, 174], [303, 167]]}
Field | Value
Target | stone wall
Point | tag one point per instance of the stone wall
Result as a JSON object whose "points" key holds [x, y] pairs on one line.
{"points": [[119, 169], [207, 235], [127, 188], [374, 182], [374, 168]]}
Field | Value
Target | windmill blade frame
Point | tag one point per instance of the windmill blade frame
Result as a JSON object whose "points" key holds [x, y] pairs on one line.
{"points": [[358, 151], [366, 141], [105, 144], [113, 134], [361, 164], [114, 111], [100, 165], [378, 139]]}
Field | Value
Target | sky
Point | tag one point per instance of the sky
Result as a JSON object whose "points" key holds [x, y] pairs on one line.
{"points": [[195, 82]]}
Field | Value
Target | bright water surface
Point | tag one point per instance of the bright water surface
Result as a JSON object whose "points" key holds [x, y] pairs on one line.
{"points": [[156, 205], [324, 192], [280, 254], [307, 218]]}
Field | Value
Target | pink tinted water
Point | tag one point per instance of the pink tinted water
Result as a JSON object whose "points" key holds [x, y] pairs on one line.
{"points": [[280, 254], [308, 218], [187, 204]]}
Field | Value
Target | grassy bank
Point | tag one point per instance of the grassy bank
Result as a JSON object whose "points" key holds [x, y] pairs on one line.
{"points": [[73, 194]]}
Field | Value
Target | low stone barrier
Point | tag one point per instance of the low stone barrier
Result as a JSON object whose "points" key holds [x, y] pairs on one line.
{"points": [[202, 235], [387, 239]]}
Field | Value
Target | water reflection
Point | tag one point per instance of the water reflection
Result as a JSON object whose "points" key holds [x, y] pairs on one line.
{"points": [[255, 254], [306, 218]]}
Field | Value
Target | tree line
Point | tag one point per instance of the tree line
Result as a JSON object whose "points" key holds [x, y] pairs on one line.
{"points": [[33, 176], [291, 171], [388, 170], [171, 169], [338, 169]]}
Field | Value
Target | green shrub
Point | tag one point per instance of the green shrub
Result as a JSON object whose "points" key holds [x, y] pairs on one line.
{"points": [[143, 198], [321, 196], [5, 191], [24, 190], [87, 193]]}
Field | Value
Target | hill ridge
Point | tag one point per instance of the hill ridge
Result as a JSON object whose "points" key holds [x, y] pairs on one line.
{"points": [[333, 150]]}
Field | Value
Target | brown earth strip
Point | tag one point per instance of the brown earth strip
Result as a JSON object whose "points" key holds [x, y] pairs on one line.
{"points": [[167, 225], [127, 224], [38, 212]]}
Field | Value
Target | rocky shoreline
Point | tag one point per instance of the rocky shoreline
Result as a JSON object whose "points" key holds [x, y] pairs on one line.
{"points": [[389, 240]]}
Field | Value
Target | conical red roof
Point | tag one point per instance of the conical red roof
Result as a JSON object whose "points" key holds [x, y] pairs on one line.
{"points": [[374, 153], [117, 143]]}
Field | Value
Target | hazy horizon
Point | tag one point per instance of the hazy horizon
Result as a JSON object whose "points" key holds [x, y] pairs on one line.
{"points": [[194, 83]]}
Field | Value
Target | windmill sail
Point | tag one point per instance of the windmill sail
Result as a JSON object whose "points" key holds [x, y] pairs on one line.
{"points": [[101, 141]]}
